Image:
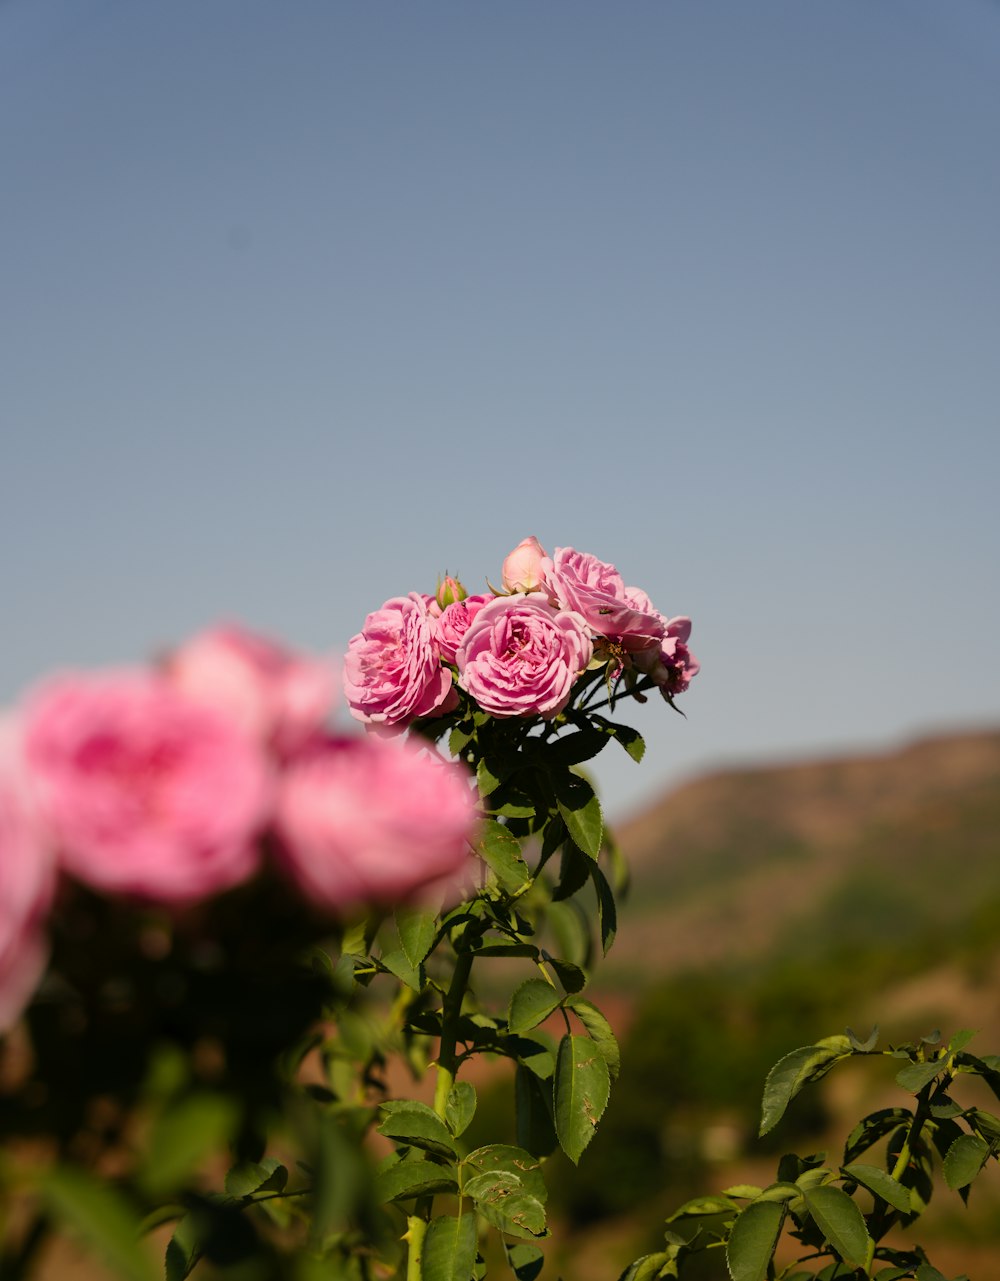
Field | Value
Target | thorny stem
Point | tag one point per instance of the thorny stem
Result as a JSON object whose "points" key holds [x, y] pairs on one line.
{"points": [[451, 1010], [447, 1069]]}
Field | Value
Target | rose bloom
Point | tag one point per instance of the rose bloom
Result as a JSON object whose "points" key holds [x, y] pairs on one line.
{"points": [[26, 882], [373, 820], [145, 791], [454, 623], [392, 670], [523, 568], [673, 667], [521, 656], [595, 589], [279, 698]]}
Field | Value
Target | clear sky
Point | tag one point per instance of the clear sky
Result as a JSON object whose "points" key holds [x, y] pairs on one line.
{"points": [[303, 303]]}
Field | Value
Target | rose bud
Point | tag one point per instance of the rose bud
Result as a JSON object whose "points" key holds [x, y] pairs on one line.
{"points": [[522, 570]]}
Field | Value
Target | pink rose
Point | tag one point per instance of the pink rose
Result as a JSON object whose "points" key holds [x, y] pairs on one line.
{"points": [[521, 656], [373, 820], [522, 570], [278, 698], [26, 882], [144, 791], [392, 670], [454, 623], [673, 667], [623, 615]]}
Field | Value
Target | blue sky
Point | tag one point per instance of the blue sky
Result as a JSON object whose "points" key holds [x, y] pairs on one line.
{"points": [[302, 304]]}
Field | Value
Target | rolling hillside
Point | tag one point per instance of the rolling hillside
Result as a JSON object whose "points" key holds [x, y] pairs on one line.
{"points": [[739, 865]]}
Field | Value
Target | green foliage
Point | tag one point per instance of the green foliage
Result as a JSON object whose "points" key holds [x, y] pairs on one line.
{"points": [[817, 1205]]}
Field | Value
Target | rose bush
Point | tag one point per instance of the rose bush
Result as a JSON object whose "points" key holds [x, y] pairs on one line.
{"points": [[248, 918]]}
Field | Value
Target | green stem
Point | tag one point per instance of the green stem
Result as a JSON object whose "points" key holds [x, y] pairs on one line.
{"points": [[451, 1011], [643, 687], [447, 1070], [416, 1230]]}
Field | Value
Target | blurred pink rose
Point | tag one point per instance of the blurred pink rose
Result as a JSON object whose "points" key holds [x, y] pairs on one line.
{"points": [[522, 570], [373, 820], [145, 791], [454, 623], [277, 697], [392, 669], [26, 882], [595, 589], [521, 656]]}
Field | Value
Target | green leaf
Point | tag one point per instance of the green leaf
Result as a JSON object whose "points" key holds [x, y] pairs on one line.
{"points": [[582, 1088], [960, 1040], [966, 1157], [531, 1004], [487, 779], [183, 1136], [406, 1179], [927, 1272], [630, 738], [795, 1070], [915, 1076], [183, 1249], [752, 1241], [606, 910], [840, 1221], [700, 1206], [508, 948], [417, 1125], [460, 1107], [572, 977], [865, 1046], [248, 1177], [570, 927], [872, 1128], [502, 1200], [574, 749], [533, 1112], [500, 850], [416, 933], [881, 1184], [101, 1217], [581, 812], [986, 1123], [600, 1030], [648, 1267], [526, 1261], [506, 1158], [449, 1252], [574, 870], [782, 1191], [460, 738], [398, 963]]}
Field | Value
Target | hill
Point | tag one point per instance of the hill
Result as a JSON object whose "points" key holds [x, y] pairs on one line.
{"points": [[745, 863]]}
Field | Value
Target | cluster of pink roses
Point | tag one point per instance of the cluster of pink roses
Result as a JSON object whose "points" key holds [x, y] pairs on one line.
{"points": [[516, 652], [161, 785]]}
